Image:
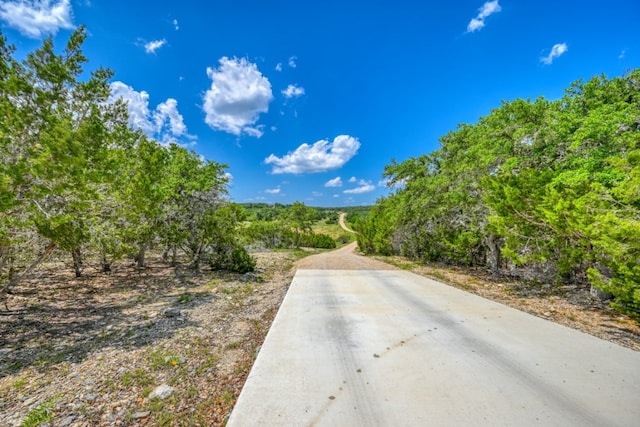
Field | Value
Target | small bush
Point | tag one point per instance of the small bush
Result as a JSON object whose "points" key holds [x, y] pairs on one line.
{"points": [[320, 241], [237, 260]]}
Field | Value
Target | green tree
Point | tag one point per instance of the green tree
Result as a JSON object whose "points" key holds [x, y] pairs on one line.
{"points": [[551, 189], [55, 140], [300, 218]]}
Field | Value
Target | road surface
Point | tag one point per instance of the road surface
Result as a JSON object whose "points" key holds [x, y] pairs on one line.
{"points": [[374, 347], [342, 223]]}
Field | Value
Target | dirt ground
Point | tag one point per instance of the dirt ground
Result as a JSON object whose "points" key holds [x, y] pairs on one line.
{"points": [[94, 351], [91, 351]]}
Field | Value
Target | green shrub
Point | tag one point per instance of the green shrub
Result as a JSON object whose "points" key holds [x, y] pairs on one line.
{"points": [[236, 260]]}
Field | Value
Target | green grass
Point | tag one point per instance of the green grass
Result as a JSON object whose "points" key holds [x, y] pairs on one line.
{"points": [[246, 289], [138, 377], [19, 384], [185, 298], [159, 359], [209, 362], [332, 230], [41, 414], [227, 397], [335, 231], [233, 345]]}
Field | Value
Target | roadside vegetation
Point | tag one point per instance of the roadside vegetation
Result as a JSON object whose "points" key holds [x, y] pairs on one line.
{"points": [[280, 226], [541, 191]]}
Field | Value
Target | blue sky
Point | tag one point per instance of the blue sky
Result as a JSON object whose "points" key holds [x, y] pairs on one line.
{"points": [[308, 101]]}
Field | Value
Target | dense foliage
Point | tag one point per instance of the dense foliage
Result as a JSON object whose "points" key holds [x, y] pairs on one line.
{"points": [[288, 226], [76, 179], [545, 190]]}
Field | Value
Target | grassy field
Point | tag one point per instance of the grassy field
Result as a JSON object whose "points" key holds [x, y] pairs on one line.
{"points": [[332, 230]]}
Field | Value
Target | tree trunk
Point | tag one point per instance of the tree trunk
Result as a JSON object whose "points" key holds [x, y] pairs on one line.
{"points": [[494, 257], [140, 255], [195, 263], [77, 261], [174, 255], [8, 288], [106, 265]]}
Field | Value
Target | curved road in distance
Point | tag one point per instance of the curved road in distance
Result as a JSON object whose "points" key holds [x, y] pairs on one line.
{"points": [[343, 224], [355, 344]]}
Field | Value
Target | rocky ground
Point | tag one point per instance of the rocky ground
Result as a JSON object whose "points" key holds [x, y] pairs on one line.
{"points": [[160, 346], [163, 346]]}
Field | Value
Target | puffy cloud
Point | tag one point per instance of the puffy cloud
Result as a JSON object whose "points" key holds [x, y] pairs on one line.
{"points": [[557, 50], [152, 46], [319, 157], [239, 93], [363, 187], [34, 18], [335, 182], [488, 8], [292, 61], [175, 24], [165, 123], [279, 66], [137, 104], [272, 190], [167, 119], [353, 179], [293, 91]]}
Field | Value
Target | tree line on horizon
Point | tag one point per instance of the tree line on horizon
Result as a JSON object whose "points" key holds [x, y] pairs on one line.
{"points": [[546, 191]]}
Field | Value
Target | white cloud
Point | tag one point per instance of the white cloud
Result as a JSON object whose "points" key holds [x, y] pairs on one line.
{"points": [[168, 120], [335, 182], [487, 9], [622, 54], [152, 46], [363, 187], [293, 91], [272, 190], [292, 61], [279, 66], [557, 50], [316, 194], [138, 106], [353, 179], [175, 24], [228, 177], [239, 93], [319, 157], [165, 123], [34, 18]]}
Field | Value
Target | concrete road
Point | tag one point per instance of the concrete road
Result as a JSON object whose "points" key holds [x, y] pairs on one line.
{"points": [[390, 348]]}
